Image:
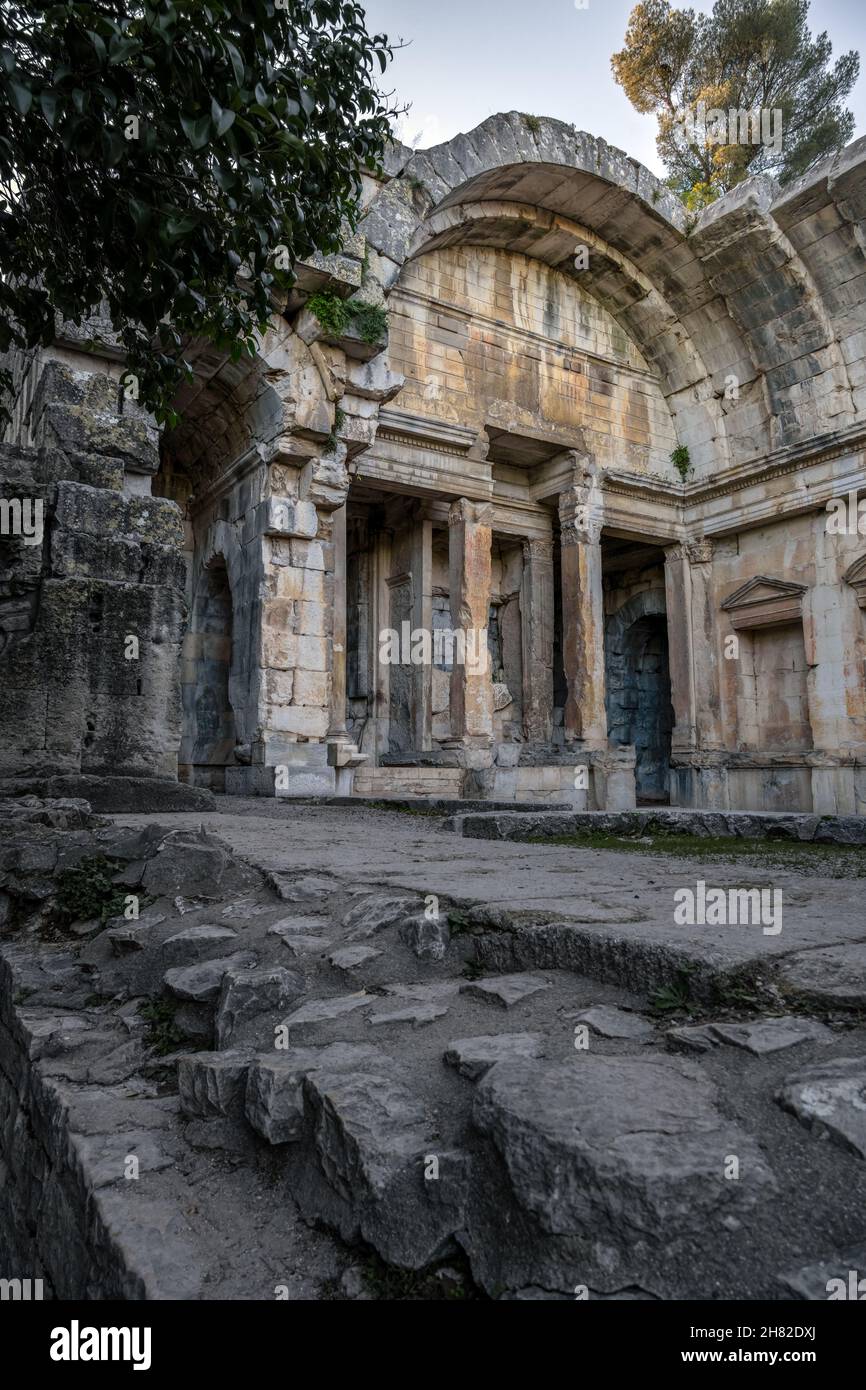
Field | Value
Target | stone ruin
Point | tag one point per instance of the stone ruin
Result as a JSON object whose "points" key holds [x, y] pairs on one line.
{"points": [[484, 448], [620, 455]]}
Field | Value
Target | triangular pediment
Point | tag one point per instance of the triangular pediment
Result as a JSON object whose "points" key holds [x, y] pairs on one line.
{"points": [[762, 589], [856, 573]]}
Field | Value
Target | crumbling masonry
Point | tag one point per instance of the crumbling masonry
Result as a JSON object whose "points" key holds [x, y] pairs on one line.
{"points": [[491, 453]]}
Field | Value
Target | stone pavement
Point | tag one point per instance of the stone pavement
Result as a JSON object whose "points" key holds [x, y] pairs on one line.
{"points": [[498, 1061]]}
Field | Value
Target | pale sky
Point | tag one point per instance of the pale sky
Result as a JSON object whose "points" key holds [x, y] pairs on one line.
{"points": [[469, 59]]}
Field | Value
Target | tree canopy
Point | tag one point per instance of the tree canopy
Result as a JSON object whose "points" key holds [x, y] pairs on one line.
{"points": [[172, 160], [746, 55]]}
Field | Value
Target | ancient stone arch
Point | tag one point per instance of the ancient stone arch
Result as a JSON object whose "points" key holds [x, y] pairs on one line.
{"points": [[493, 424]]}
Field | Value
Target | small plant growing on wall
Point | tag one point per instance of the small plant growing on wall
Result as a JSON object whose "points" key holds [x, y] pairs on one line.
{"points": [[333, 438], [681, 461], [331, 311], [338, 315]]}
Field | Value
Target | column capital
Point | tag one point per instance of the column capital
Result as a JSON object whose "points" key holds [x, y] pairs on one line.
{"points": [[580, 517], [537, 549], [463, 511], [675, 554], [700, 552]]}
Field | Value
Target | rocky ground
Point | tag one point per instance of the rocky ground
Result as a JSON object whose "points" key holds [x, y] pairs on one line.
{"points": [[350, 1052]]}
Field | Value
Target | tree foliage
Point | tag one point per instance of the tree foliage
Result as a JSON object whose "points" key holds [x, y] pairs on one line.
{"points": [[171, 160], [746, 55]]}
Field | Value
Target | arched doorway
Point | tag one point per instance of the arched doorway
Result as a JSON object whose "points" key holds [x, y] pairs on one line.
{"points": [[639, 708]]}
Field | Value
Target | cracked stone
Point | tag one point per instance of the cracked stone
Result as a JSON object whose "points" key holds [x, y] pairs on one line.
{"points": [[274, 1100], [212, 1083]]}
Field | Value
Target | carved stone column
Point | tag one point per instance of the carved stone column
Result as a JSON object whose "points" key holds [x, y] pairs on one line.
{"points": [[704, 641], [584, 716], [469, 537], [536, 627], [678, 598], [422, 620]]}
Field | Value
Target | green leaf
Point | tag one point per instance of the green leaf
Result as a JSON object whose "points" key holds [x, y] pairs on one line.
{"points": [[48, 103], [236, 61], [225, 122], [196, 129], [21, 96]]}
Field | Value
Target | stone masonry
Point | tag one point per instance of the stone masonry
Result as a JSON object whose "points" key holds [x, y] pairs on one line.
{"points": [[489, 455]]}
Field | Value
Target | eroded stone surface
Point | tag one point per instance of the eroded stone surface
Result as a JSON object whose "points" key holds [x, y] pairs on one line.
{"points": [[760, 1037], [830, 1099], [473, 1057], [506, 990], [835, 975], [615, 1023], [202, 983]]}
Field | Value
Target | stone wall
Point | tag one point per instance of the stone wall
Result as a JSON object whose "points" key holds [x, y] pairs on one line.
{"points": [[91, 612]]}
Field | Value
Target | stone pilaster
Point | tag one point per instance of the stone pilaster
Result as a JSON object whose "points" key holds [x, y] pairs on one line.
{"points": [[469, 537], [536, 627], [422, 620], [705, 655], [584, 716], [678, 598]]}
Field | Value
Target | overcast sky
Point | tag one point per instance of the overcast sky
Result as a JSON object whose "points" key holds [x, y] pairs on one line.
{"points": [[469, 59]]}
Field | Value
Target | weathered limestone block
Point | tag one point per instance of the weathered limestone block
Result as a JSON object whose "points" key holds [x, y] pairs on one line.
{"points": [[611, 1163]]}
